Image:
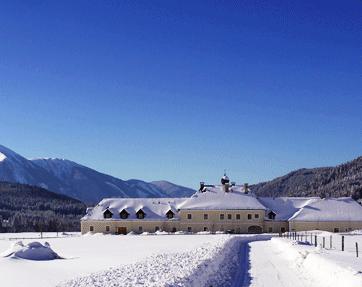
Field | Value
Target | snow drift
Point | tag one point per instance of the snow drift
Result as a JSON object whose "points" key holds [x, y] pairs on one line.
{"points": [[31, 251]]}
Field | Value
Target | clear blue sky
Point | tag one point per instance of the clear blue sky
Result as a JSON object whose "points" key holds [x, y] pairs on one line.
{"points": [[180, 90]]}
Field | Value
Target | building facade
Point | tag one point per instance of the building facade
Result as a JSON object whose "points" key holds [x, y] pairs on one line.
{"points": [[226, 207]]}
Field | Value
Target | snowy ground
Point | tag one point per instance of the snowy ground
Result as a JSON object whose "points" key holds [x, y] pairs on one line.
{"points": [[182, 260]]}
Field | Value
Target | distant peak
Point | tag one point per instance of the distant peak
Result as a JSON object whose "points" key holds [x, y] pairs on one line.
{"points": [[8, 153], [2, 157]]}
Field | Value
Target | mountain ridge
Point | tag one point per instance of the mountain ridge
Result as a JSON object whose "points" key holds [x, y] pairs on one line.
{"points": [[341, 180], [75, 180]]}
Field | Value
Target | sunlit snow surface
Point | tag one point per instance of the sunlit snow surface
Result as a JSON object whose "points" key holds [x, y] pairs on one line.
{"points": [[183, 260]]}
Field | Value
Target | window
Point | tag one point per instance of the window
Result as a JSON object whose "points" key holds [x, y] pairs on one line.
{"points": [[174, 229], [91, 228], [271, 215], [222, 216], [206, 216], [205, 228], [124, 214], [249, 216], [107, 214], [336, 229], [256, 215], [157, 228], [140, 229], [140, 214], [169, 214], [282, 229], [189, 216], [238, 217], [230, 216], [270, 229], [189, 229], [107, 228]]}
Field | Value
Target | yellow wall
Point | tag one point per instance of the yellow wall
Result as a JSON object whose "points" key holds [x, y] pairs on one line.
{"points": [[147, 226], [197, 222], [275, 226]]}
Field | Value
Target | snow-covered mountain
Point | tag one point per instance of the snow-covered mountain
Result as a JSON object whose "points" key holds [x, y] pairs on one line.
{"points": [[171, 189], [78, 181]]}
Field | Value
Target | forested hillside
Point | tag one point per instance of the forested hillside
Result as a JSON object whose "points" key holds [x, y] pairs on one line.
{"points": [[342, 180], [29, 208]]}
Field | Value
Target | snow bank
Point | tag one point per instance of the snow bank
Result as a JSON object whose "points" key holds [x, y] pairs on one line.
{"points": [[31, 251], [213, 264], [315, 263]]}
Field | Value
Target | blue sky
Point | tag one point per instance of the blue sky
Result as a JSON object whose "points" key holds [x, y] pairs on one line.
{"points": [[180, 90]]}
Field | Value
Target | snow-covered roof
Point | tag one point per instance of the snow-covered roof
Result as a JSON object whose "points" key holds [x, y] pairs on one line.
{"points": [[313, 208], [284, 207], [215, 198], [154, 208], [329, 209]]}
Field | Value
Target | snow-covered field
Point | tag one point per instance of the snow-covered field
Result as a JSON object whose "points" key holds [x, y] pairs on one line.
{"points": [[176, 260]]}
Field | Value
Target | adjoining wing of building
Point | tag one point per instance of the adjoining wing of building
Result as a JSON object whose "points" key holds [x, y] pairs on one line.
{"points": [[226, 207]]}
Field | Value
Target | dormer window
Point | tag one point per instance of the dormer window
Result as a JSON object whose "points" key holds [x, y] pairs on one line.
{"points": [[170, 214], [123, 214], [271, 215], [107, 213], [140, 214]]}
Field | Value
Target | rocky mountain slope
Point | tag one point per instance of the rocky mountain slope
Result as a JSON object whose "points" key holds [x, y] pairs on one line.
{"points": [[75, 180], [341, 180]]}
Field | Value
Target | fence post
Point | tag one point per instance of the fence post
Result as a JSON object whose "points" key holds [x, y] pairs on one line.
{"points": [[315, 240], [311, 238], [324, 242], [356, 249], [342, 242], [330, 242]]}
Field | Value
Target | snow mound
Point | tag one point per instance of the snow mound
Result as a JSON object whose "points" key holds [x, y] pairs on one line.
{"points": [[31, 251], [203, 232], [132, 233], [146, 233], [161, 233]]}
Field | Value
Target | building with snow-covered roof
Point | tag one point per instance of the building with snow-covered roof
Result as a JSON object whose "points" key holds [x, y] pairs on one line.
{"points": [[226, 207]]}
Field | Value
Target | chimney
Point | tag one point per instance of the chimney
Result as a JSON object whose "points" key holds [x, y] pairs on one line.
{"points": [[246, 188], [202, 186], [226, 187]]}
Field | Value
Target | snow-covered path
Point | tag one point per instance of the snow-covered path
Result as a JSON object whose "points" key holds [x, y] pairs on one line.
{"points": [[184, 260], [280, 262], [270, 268]]}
